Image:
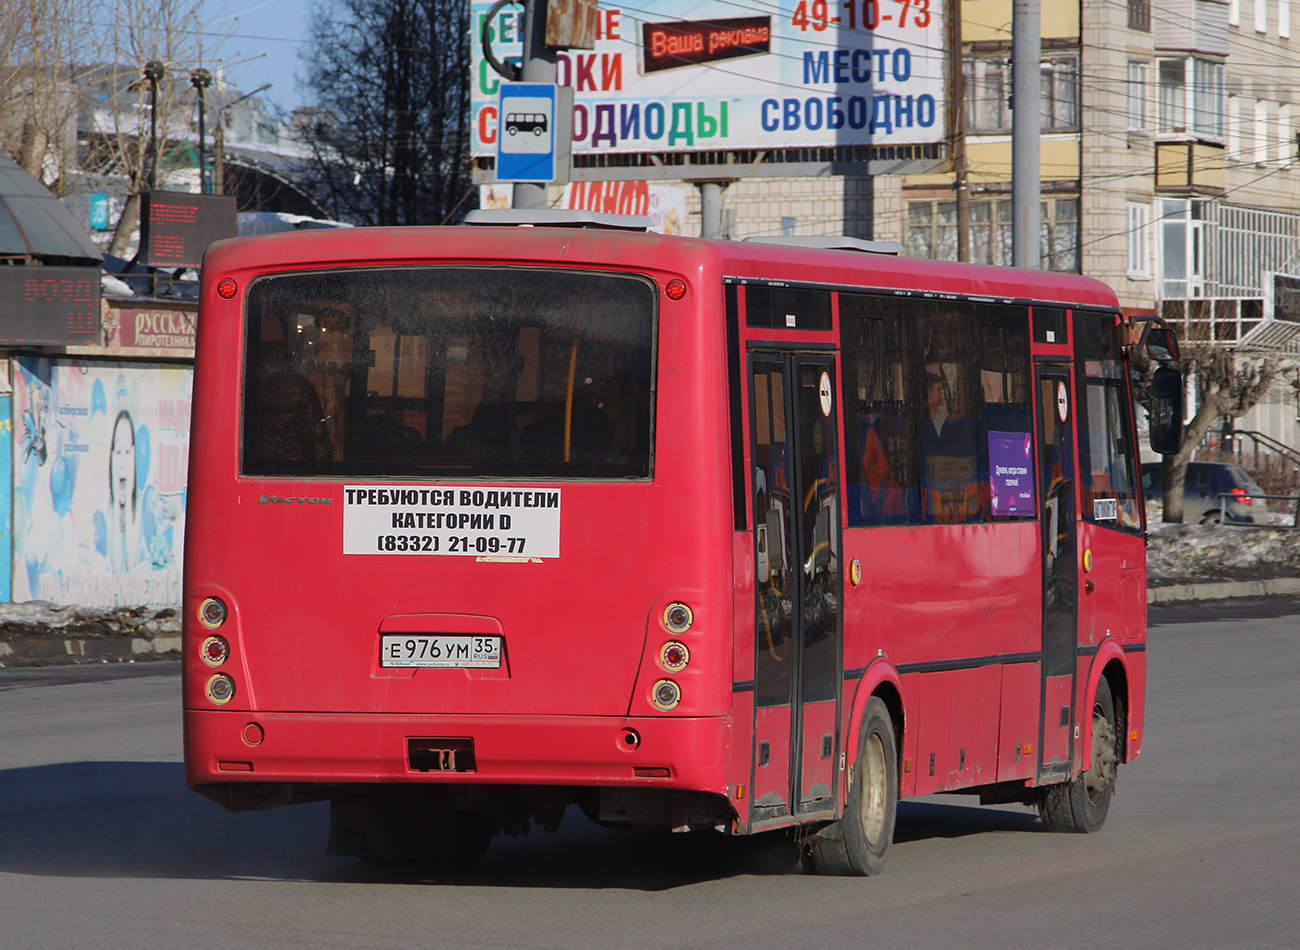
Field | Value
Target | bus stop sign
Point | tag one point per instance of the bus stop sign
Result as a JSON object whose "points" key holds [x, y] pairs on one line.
{"points": [[534, 132]]}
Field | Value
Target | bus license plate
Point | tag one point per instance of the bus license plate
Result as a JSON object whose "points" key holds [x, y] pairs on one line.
{"points": [[440, 651]]}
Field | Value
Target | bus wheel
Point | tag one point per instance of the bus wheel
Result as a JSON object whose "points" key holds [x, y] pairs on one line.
{"points": [[859, 842], [1080, 806]]}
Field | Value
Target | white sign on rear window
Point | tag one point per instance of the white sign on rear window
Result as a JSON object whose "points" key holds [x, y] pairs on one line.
{"points": [[1105, 509], [451, 520]]}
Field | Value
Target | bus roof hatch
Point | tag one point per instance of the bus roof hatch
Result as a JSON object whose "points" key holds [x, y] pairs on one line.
{"points": [[832, 243], [557, 218]]}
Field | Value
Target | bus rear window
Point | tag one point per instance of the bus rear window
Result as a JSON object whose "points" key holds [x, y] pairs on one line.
{"points": [[509, 372]]}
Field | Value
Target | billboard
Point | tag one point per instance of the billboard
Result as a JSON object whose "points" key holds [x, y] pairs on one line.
{"points": [[49, 305], [100, 462], [699, 75], [176, 228]]}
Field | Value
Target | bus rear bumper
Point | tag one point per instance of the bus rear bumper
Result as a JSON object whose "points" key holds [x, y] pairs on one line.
{"points": [[229, 746]]}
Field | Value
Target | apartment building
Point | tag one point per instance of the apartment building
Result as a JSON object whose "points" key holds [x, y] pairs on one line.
{"points": [[1170, 166]]}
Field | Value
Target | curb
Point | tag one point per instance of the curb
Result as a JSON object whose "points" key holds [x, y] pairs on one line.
{"points": [[1274, 587], [52, 650]]}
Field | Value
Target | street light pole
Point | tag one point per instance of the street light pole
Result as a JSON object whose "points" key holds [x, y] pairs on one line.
{"points": [[1026, 170], [539, 65], [201, 79], [219, 140], [153, 72]]}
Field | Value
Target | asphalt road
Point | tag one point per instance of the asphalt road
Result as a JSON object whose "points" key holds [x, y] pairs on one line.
{"points": [[101, 846]]}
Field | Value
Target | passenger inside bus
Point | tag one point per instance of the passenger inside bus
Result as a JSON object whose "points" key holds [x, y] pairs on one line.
{"points": [[882, 500], [525, 412], [948, 467], [291, 424]]}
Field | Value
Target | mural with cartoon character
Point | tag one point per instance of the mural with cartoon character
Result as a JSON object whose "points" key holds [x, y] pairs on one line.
{"points": [[99, 483]]}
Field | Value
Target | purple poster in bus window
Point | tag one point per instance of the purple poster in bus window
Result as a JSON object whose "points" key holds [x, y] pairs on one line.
{"points": [[1011, 474]]}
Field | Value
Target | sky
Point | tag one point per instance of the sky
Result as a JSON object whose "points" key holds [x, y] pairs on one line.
{"points": [[265, 38]]}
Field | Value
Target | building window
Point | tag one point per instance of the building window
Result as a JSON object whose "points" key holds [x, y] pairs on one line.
{"points": [[1261, 16], [1173, 95], [788, 225], [1060, 89], [1139, 15], [1259, 155], [1283, 133], [1204, 79], [1207, 86], [1137, 96], [1183, 237], [1139, 240], [932, 232], [1234, 12], [990, 232], [988, 93], [1059, 234], [1284, 18]]}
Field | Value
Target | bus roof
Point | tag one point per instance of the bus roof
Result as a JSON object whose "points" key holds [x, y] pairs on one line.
{"points": [[352, 247]]}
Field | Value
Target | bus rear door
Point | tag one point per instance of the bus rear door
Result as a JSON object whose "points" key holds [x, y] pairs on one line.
{"points": [[1060, 608], [797, 549]]}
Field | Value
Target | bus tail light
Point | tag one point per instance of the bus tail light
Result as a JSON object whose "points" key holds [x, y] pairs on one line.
{"points": [[674, 656], [221, 689], [215, 651], [678, 617], [213, 613], [666, 695], [675, 290]]}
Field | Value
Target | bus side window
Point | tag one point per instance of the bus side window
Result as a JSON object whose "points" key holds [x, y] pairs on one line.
{"points": [[1006, 420], [879, 412], [1107, 466], [952, 488]]}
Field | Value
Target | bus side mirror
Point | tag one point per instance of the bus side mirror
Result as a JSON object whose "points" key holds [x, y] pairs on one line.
{"points": [[1166, 417], [1162, 345]]}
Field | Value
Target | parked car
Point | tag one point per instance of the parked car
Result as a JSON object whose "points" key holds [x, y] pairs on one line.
{"points": [[1206, 481]]}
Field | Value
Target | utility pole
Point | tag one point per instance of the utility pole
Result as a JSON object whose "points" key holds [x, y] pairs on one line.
{"points": [[711, 208], [153, 73], [539, 65], [957, 119], [201, 79], [219, 140], [1026, 131]]}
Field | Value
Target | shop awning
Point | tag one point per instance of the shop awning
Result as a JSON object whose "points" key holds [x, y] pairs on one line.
{"points": [[35, 223]]}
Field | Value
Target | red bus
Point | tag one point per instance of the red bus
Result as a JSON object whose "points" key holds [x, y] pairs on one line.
{"points": [[485, 521]]}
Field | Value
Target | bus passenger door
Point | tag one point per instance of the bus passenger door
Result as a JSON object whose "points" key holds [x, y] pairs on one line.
{"points": [[797, 558], [1060, 613]]}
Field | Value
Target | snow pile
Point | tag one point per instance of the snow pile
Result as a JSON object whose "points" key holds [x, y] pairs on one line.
{"points": [[95, 621], [1178, 552]]}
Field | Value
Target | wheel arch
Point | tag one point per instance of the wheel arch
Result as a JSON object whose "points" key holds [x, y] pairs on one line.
{"points": [[1110, 663], [881, 680]]}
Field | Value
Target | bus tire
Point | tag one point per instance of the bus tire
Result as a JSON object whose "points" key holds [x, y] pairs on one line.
{"points": [[859, 842], [1080, 806]]}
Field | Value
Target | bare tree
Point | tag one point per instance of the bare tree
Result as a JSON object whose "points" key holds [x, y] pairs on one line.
{"points": [[390, 132], [1226, 384], [132, 34], [39, 100]]}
